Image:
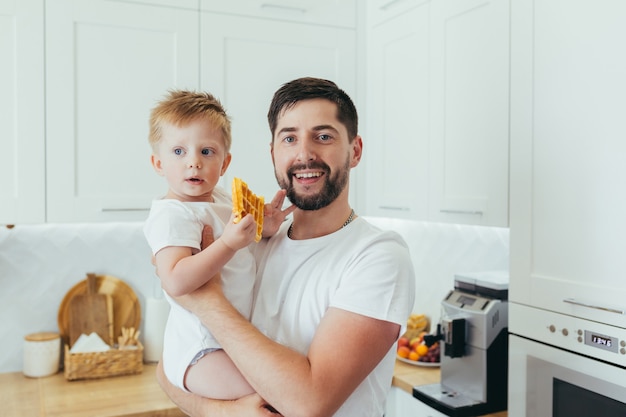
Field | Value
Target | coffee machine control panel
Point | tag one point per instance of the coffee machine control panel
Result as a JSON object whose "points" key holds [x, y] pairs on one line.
{"points": [[467, 302]]}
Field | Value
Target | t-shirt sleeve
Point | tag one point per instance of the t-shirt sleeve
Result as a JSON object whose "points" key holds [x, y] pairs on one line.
{"points": [[380, 281], [172, 225]]}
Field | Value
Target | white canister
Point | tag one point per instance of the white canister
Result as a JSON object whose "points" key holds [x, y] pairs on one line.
{"points": [[42, 353], [157, 311]]}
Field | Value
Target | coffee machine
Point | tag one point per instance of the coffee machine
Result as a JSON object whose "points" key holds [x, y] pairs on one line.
{"points": [[473, 333]]}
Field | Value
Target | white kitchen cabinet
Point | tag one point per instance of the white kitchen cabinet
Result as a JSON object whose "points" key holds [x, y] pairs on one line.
{"points": [[107, 63], [22, 160], [402, 404], [568, 145], [469, 91], [397, 140], [438, 103], [244, 60]]}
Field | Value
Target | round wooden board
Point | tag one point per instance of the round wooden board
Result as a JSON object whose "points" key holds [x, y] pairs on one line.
{"points": [[126, 306]]}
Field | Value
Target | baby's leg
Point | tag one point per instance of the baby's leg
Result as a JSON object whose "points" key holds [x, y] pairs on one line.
{"points": [[215, 376]]}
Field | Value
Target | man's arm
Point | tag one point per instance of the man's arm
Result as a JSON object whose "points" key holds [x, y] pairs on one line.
{"points": [[196, 406], [345, 349]]}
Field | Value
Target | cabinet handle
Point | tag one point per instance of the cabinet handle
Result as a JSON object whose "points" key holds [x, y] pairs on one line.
{"points": [[284, 8], [616, 310], [394, 208], [105, 209], [390, 4], [472, 212]]}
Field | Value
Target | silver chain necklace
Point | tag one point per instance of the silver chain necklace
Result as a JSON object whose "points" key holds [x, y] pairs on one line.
{"points": [[347, 222]]}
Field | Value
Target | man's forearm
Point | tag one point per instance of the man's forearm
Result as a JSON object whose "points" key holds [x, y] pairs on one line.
{"points": [[280, 375]]}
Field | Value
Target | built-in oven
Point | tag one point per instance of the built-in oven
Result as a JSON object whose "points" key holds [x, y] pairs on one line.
{"points": [[564, 366]]}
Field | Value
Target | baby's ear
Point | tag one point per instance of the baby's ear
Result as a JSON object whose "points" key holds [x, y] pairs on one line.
{"points": [[226, 163], [156, 164]]}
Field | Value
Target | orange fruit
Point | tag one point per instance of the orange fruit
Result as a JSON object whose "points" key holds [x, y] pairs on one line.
{"points": [[422, 350], [403, 352], [413, 355]]}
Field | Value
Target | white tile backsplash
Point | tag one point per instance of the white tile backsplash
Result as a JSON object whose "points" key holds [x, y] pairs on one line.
{"points": [[440, 250], [40, 263]]}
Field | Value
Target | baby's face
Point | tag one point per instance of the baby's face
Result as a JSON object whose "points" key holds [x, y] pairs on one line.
{"points": [[192, 158]]}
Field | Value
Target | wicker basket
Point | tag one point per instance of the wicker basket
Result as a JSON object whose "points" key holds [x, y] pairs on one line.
{"points": [[93, 365]]}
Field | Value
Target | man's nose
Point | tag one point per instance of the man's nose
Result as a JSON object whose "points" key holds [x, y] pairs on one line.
{"points": [[305, 151]]}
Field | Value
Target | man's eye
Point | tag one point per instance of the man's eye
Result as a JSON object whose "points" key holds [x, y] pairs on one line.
{"points": [[178, 151], [289, 139], [325, 138]]}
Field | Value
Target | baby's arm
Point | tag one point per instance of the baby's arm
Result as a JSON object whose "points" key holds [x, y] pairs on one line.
{"points": [[182, 272]]}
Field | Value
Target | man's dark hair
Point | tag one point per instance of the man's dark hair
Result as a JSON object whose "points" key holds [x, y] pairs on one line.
{"points": [[311, 88]]}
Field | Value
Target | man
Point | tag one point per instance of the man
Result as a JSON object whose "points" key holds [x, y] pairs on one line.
{"points": [[332, 293]]}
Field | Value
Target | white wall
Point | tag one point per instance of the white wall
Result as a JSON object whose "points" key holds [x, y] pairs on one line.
{"points": [[40, 263]]}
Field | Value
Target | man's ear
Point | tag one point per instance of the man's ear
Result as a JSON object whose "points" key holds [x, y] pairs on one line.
{"points": [[226, 163], [156, 164], [357, 148]]}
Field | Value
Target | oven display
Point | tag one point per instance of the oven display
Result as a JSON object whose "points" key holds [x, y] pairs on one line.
{"points": [[601, 341]]}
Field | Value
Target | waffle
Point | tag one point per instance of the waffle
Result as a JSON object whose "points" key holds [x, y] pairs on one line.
{"points": [[244, 202]]}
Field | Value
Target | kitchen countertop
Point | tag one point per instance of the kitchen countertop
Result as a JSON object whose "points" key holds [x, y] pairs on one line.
{"points": [[121, 396], [407, 376], [129, 396]]}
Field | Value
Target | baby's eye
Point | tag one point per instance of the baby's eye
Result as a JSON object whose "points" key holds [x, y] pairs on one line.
{"points": [[178, 151], [207, 151]]}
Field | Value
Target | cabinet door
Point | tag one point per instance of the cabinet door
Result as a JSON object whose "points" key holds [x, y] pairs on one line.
{"points": [[245, 60], [469, 112], [22, 160], [107, 65], [568, 222], [400, 404], [398, 124]]}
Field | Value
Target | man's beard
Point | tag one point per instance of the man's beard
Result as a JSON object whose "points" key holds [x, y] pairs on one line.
{"points": [[333, 186]]}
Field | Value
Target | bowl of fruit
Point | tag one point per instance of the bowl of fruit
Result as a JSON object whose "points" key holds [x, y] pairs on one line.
{"points": [[416, 346], [419, 351]]}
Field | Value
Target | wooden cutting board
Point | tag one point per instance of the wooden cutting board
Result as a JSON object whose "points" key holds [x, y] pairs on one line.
{"points": [[91, 312]]}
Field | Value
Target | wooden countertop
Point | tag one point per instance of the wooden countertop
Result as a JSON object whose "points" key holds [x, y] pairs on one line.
{"points": [[120, 396], [129, 396], [407, 376]]}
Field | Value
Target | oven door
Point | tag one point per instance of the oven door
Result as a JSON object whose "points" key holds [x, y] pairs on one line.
{"points": [[547, 381]]}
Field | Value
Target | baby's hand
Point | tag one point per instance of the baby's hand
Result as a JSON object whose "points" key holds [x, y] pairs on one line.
{"points": [[240, 235]]}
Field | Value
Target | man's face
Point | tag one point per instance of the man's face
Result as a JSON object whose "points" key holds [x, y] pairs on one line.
{"points": [[312, 154]]}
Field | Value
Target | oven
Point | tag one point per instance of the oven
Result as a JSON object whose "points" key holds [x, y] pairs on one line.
{"points": [[564, 366]]}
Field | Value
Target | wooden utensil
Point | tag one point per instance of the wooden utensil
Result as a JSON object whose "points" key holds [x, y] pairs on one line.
{"points": [[126, 306], [91, 312]]}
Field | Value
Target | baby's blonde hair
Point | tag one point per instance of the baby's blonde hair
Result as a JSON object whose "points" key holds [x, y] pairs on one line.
{"points": [[180, 107]]}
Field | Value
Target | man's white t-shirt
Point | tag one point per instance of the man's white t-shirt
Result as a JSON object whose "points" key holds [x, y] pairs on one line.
{"points": [[360, 269], [174, 223]]}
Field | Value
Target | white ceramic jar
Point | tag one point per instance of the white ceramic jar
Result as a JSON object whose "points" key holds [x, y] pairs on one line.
{"points": [[42, 353]]}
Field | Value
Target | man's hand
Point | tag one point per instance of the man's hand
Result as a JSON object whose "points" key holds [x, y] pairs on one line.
{"points": [[207, 237], [274, 215]]}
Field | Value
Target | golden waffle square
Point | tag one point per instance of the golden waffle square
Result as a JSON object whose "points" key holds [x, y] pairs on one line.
{"points": [[244, 202]]}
